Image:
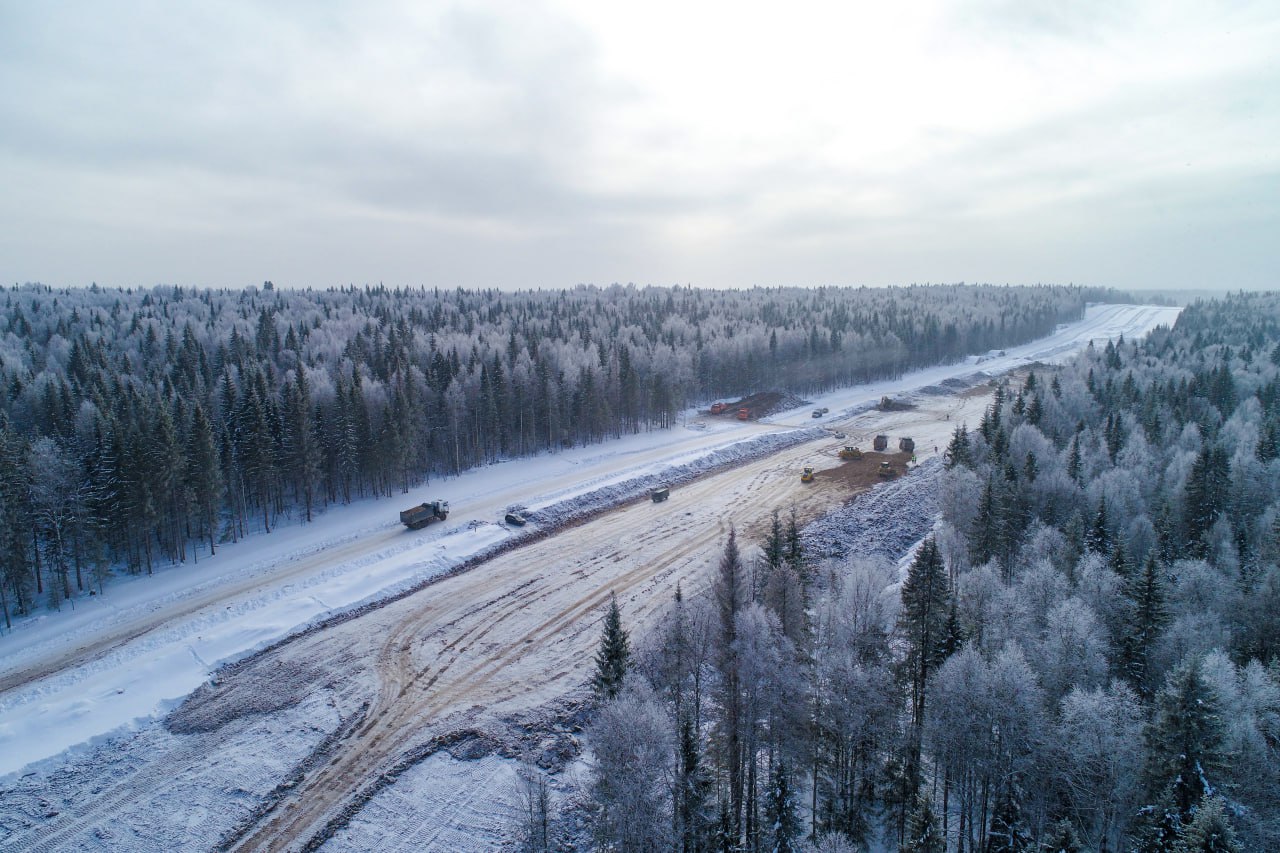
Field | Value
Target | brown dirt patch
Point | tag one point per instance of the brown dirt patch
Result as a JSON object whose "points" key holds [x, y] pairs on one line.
{"points": [[858, 475], [761, 405]]}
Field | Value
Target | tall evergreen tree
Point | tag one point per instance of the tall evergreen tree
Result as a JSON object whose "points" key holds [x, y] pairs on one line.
{"points": [[1185, 738], [1008, 832], [784, 830], [922, 623], [1210, 830], [614, 655], [1149, 617], [923, 833]]}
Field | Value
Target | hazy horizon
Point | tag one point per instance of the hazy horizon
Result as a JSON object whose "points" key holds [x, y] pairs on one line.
{"points": [[546, 144]]}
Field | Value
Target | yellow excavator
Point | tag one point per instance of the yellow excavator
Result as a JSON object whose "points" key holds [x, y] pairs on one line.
{"points": [[806, 476]]}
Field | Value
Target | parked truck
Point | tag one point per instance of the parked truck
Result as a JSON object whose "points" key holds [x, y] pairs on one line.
{"points": [[423, 514], [906, 445], [718, 408], [881, 443]]}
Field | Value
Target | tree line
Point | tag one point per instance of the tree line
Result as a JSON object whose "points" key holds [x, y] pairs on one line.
{"points": [[1084, 656], [146, 425]]}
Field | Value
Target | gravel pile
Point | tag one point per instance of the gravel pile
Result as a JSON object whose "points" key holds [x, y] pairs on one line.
{"points": [[885, 521]]}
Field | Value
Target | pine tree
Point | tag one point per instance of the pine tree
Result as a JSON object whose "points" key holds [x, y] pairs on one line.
{"points": [[1146, 593], [780, 812], [613, 656], [1210, 831], [958, 451], [985, 539], [204, 477], [1206, 495], [923, 833], [1074, 463], [1061, 838], [1098, 539], [1184, 739], [923, 621], [1160, 828], [1008, 832]]}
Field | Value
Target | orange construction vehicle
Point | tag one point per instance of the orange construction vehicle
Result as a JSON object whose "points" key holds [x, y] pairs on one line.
{"points": [[744, 414], [718, 408]]}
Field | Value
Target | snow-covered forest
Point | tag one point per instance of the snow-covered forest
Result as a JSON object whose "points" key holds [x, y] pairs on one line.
{"points": [[148, 425], [1085, 655]]}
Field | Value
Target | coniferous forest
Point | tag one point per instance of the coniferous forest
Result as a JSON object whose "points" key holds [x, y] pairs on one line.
{"points": [[1084, 656], [146, 426]]}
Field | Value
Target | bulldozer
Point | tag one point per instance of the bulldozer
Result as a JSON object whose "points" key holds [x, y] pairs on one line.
{"points": [[850, 452], [886, 470], [806, 476]]}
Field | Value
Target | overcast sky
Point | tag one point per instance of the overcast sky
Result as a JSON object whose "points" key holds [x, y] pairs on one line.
{"points": [[543, 144]]}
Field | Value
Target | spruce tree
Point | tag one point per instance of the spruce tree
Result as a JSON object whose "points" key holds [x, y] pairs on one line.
{"points": [[922, 622], [1061, 838], [923, 833], [1146, 593], [1184, 738], [1008, 832], [614, 655], [1074, 463], [1210, 831], [780, 812], [958, 451], [1098, 539]]}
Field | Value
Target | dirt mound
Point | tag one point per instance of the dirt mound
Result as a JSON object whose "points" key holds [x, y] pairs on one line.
{"points": [[861, 474], [888, 404], [764, 403]]}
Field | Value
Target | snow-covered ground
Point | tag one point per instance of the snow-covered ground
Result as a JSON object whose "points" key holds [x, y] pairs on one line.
{"points": [[186, 620], [124, 657]]}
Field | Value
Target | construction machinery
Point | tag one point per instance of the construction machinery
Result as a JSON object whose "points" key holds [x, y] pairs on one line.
{"points": [[425, 513], [886, 470], [850, 452], [881, 443], [906, 445], [660, 494], [806, 476], [718, 408], [744, 414]]}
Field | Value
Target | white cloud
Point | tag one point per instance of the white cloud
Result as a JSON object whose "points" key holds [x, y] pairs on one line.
{"points": [[518, 144]]}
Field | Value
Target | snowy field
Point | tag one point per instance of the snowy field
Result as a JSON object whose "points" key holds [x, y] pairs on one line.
{"points": [[119, 660]]}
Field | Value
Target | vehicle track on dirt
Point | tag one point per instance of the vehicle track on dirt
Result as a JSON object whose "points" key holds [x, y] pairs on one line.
{"points": [[521, 628], [509, 635]]}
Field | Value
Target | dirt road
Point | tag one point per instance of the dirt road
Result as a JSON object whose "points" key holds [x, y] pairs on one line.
{"points": [[513, 634]]}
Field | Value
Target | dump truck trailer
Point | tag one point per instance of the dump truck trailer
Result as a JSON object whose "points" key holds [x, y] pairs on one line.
{"points": [[906, 445], [425, 513], [881, 443]]}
